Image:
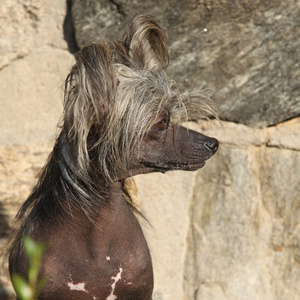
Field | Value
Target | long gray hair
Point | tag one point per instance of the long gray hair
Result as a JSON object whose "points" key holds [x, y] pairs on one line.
{"points": [[115, 92]]}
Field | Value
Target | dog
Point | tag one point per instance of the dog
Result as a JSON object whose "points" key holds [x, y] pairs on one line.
{"points": [[121, 118]]}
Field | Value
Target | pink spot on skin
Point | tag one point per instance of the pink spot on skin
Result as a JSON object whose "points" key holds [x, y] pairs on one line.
{"points": [[79, 287], [113, 286]]}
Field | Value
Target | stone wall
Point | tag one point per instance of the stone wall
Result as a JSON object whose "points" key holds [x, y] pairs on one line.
{"points": [[229, 231], [34, 60]]}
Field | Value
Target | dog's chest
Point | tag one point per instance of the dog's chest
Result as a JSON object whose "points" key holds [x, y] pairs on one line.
{"points": [[132, 276], [129, 262], [109, 261]]}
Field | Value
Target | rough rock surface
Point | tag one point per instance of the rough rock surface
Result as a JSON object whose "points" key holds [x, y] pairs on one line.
{"points": [[165, 200], [244, 50], [29, 85], [244, 236], [28, 24], [31, 40]]}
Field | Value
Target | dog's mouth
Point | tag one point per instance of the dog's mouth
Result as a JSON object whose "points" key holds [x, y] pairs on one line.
{"points": [[174, 165]]}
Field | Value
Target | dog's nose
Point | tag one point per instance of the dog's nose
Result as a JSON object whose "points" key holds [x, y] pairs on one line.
{"points": [[212, 144]]}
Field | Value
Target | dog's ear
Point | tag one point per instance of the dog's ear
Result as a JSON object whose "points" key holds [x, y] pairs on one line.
{"points": [[145, 43]]}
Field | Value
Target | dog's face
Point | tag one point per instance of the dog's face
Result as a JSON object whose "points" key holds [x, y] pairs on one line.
{"points": [[170, 147]]}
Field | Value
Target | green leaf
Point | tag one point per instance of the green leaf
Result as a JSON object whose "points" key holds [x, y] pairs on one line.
{"points": [[42, 282], [30, 247], [22, 288], [33, 273], [34, 250]]}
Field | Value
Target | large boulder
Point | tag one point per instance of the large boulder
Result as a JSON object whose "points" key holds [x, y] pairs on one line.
{"points": [[244, 50]]}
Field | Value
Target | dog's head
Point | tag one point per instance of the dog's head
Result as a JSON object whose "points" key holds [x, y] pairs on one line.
{"points": [[122, 112]]}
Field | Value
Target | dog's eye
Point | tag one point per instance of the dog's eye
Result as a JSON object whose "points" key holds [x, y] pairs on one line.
{"points": [[161, 124]]}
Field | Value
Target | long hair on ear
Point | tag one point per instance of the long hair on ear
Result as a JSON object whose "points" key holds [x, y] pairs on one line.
{"points": [[145, 43]]}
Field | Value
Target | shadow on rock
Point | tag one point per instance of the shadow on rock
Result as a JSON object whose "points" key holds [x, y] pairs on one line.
{"points": [[68, 30], [6, 291], [4, 226]]}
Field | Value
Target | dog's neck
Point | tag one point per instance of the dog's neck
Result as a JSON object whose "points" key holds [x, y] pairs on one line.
{"points": [[117, 244]]}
